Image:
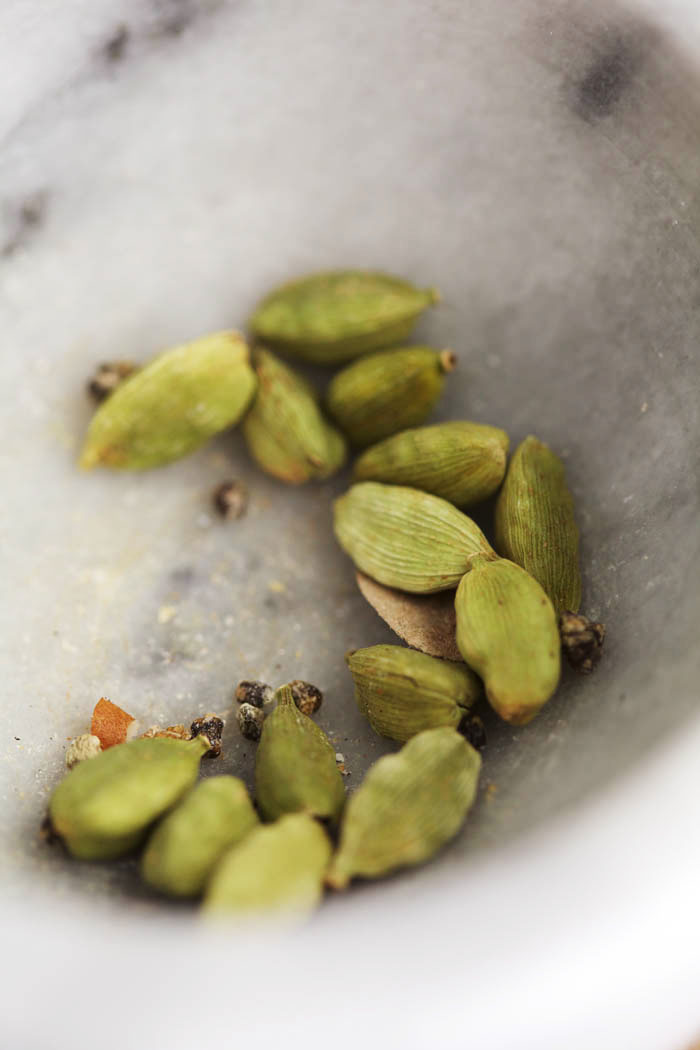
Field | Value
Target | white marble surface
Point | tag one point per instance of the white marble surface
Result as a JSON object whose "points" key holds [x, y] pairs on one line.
{"points": [[161, 164]]}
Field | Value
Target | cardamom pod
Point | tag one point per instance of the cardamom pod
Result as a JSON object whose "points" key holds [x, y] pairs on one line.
{"points": [[407, 807], [173, 405], [285, 430], [334, 316], [188, 842], [405, 538], [507, 631], [387, 392], [295, 768], [461, 462], [402, 692], [278, 869], [103, 808], [535, 525]]}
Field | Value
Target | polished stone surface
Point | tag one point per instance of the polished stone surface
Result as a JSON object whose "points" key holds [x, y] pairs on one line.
{"points": [[161, 166]]}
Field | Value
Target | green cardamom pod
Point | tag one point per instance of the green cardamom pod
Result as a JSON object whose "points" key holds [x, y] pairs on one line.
{"points": [[104, 807], [295, 767], [407, 807], [402, 692], [186, 845], [387, 392], [278, 869], [173, 405], [285, 430], [328, 318], [461, 462], [507, 631], [535, 525], [405, 538]]}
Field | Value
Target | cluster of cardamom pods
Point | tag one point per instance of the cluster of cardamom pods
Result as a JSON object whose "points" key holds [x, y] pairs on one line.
{"points": [[403, 523], [208, 840]]}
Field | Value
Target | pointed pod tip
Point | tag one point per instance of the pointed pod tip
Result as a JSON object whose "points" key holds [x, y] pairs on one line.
{"points": [[284, 694], [434, 295], [448, 360], [481, 558], [88, 458], [335, 878]]}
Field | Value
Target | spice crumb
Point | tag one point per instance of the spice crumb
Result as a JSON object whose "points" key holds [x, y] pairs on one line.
{"points": [[231, 499], [108, 377], [581, 640], [83, 747]]}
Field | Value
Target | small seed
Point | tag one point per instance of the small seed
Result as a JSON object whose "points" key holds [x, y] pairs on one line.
{"points": [[255, 693], [472, 729], [231, 499], [108, 377], [211, 727], [307, 697], [582, 641], [250, 721]]}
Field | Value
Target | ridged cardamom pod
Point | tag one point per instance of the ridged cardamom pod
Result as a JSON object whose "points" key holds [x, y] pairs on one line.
{"points": [[507, 631], [103, 808], [278, 869], [463, 463], [187, 843], [332, 317], [387, 392], [295, 767], [402, 692], [285, 430], [535, 525], [173, 405], [407, 807], [405, 538]]}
